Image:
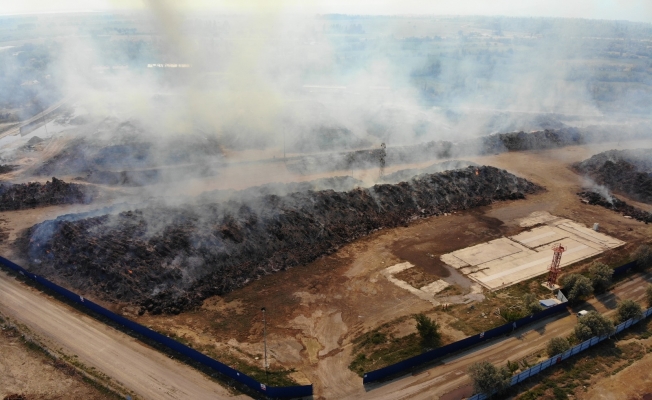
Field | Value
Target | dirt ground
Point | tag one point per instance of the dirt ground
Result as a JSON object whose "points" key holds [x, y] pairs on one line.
{"points": [[632, 383], [29, 372], [315, 311]]}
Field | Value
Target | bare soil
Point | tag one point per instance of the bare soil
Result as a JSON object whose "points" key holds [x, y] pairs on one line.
{"points": [[27, 372], [315, 311]]}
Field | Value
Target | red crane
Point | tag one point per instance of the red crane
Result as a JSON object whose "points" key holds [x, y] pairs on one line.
{"points": [[554, 267]]}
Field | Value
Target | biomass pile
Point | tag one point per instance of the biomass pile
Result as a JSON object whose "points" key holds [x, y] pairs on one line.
{"points": [[623, 171], [6, 168], [497, 143], [36, 194], [168, 259], [124, 153], [615, 204], [404, 175]]}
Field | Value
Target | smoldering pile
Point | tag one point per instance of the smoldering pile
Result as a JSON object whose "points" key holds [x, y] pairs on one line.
{"points": [[168, 259], [36, 194], [6, 168], [407, 174], [492, 144], [615, 204], [624, 171], [124, 153]]}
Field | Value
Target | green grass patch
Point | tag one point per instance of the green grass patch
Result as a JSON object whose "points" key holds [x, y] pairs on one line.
{"points": [[393, 350], [275, 375]]}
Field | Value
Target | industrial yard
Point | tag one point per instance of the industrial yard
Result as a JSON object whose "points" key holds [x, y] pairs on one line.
{"points": [[298, 223]]}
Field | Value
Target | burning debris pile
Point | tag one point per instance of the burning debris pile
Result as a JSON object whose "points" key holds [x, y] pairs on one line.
{"points": [[518, 141], [336, 183], [169, 259], [6, 168], [405, 175], [615, 204], [124, 153], [625, 171], [36, 194], [497, 143]]}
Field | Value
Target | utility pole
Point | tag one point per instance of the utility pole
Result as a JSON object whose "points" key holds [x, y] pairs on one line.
{"points": [[265, 343], [382, 155]]}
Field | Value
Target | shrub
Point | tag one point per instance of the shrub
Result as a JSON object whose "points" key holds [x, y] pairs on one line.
{"points": [[601, 276], [428, 330], [629, 309], [643, 257], [531, 303], [593, 324], [557, 345], [511, 315], [488, 379], [577, 286]]}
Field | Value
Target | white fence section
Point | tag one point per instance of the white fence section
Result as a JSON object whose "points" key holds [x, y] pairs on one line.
{"points": [[568, 353]]}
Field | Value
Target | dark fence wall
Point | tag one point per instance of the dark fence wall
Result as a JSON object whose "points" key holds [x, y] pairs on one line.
{"points": [[270, 391], [470, 341], [459, 345], [567, 354], [624, 268]]}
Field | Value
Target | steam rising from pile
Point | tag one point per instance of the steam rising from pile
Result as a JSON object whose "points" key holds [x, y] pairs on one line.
{"points": [[169, 259], [625, 171]]}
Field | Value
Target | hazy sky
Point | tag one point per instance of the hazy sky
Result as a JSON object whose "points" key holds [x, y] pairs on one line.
{"points": [[633, 10]]}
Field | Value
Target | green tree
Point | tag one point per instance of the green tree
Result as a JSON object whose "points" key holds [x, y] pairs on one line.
{"points": [[593, 324], [601, 276], [629, 309], [428, 330], [643, 257], [577, 286], [531, 303], [557, 345], [488, 379]]}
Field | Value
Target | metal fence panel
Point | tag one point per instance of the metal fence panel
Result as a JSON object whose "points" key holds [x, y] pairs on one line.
{"points": [[410, 363], [291, 391], [566, 354]]}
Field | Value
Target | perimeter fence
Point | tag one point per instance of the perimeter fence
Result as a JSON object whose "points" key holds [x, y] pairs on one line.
{"points": [[429, 356], [542, 366], [269, 391]]}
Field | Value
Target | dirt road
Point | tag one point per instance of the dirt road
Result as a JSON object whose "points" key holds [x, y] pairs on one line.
{"points": [[148, 373], [450, 373]]}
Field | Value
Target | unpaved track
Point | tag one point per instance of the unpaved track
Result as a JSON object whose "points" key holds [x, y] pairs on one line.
{"points": [[150, 374], [450, 373]]}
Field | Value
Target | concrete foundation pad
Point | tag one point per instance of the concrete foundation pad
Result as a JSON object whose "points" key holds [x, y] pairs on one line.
{"points": [[427, 295], [503, 262]]}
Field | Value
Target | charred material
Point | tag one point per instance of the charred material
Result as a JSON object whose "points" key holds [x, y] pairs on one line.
{"points": [[624, 171], [405, 175], [129, 157], [169, 259], [36, 194], [497, 143], [615, 204], [6, 168]]}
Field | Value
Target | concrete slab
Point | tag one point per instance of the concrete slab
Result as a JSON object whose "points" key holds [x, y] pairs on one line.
{"points": [[503, 272], [425, 293], [486, 252], [536, 218], [503, 262], [540, 236]]}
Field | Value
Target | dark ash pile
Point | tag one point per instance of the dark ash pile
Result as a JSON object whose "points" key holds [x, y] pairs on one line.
{"points": [[168, 260]]}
